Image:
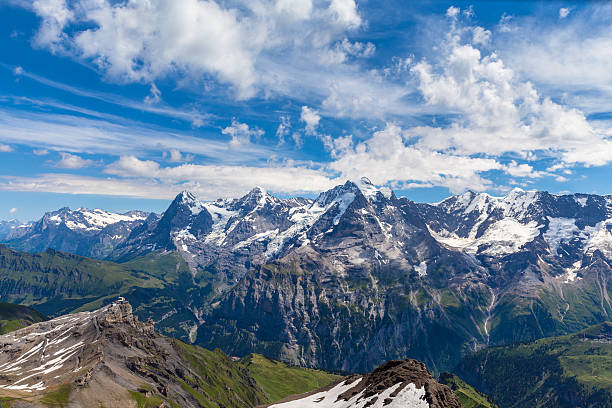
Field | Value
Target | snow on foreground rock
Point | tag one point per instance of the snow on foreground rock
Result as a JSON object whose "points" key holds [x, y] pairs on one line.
{"points": [[395, 384]]}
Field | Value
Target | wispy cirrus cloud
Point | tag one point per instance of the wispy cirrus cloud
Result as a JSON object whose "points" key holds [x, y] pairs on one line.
{"points": [[77, 134], [133, 177], [150, 104]]}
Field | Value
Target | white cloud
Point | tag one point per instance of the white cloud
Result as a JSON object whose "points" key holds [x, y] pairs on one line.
{"points": [[492, 113], [5, 148], [13, 210], [17, 71], [154, 96], [523, 170], [311, 118], [40, 152], [388, 157], [481, 36], [500, 113], [297, 139], [294, 9], [194, 117], [452, 11], [577, 54], [175, 156], [213, 181], [241, 134], [345, 12], [356, 49], [140, 41], [77, 184], [76, 134], [56, 15], [283, 130], [564, 12], [72, 161]]}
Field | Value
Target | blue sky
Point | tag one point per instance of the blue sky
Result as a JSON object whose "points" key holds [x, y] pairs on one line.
{"points": [[122, 104]]}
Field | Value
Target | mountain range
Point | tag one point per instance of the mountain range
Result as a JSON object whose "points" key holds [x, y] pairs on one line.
{"points": [[314, 282]]}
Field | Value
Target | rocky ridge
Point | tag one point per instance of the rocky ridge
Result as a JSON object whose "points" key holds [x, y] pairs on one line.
{"points": [[395, 384], [94, 233], [106, 358]]}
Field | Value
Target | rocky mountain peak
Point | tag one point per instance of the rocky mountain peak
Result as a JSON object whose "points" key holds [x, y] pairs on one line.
{"points": [[105, 358], [395, 384], [371, 191], [187, 199], [65, 349], [253, 200]]}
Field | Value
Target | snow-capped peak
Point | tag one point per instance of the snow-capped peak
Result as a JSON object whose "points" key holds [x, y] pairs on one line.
{"points": [[90, 220], [370, 191], [188, 199]]}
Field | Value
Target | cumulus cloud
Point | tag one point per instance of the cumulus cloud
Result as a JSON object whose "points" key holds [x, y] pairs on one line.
{"points": [[389, 157], [311, 119], [5, 148], [241, 134], [564, 12], [497, 112], [345, 12], [13, 210], [452, 11], [294, 9], [56, 15], [175, 156], [140, 41], [490, 113], [577, 55], [72, 161]]}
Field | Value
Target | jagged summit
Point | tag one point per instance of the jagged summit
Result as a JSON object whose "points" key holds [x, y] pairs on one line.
{"points": [[186, 195], [395, 384]]}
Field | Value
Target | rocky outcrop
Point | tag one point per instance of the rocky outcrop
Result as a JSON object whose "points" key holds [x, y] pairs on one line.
{"points": [[395, 384], [109, 358]]}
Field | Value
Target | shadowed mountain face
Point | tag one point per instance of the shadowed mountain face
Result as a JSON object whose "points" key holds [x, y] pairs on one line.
{"points": [[315, 282]]}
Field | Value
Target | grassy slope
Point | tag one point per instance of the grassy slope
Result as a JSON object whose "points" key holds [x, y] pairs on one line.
{"points": [[59, 283], [468, 396], [159, 285], [14, 317], [219, 381], [279, 380], [565, 371]]}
